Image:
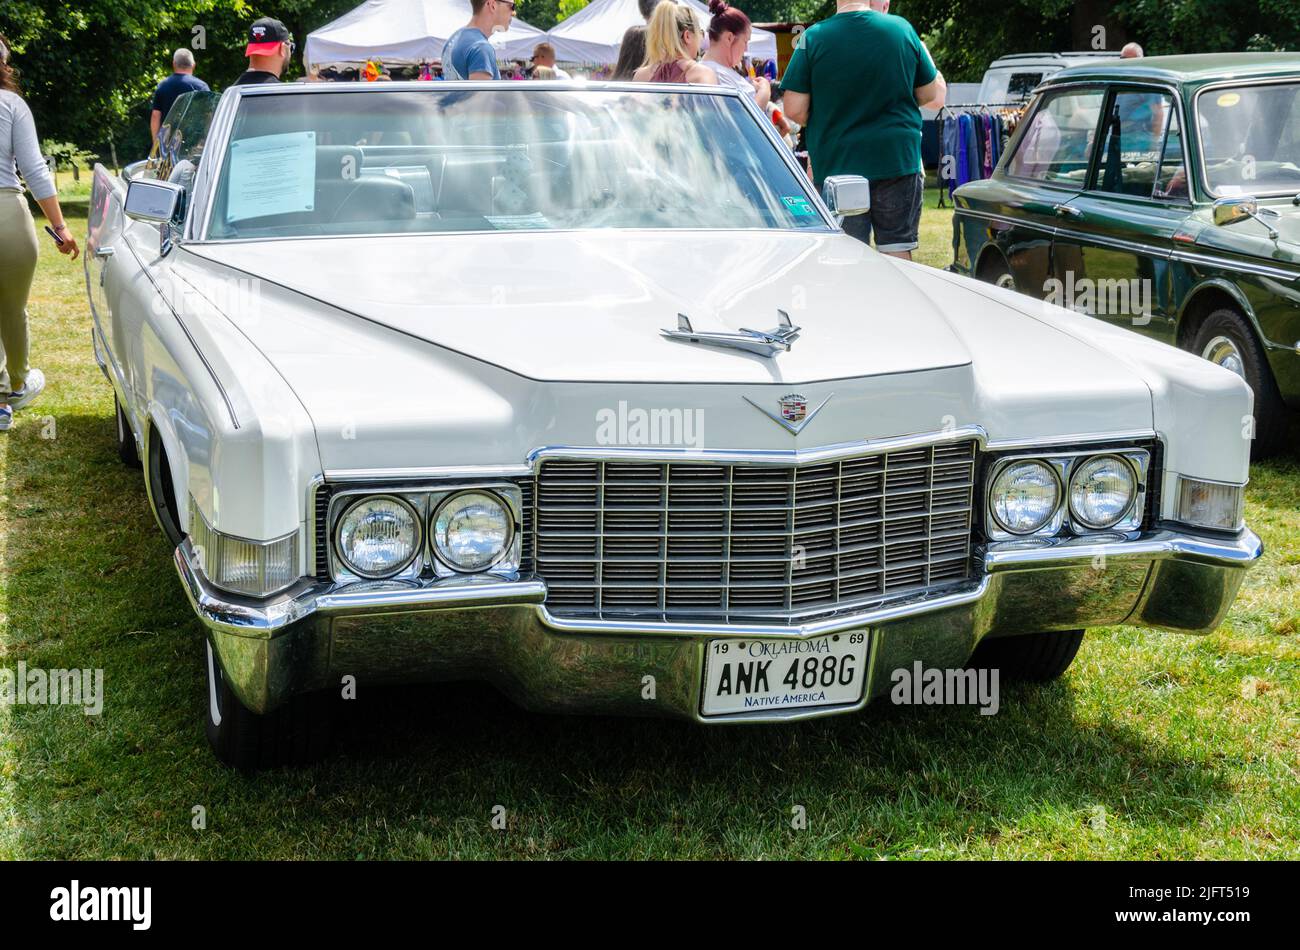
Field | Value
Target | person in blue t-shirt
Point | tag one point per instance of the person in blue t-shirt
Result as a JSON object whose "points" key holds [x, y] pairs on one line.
{"points": [[181, 81], [468, 54]]}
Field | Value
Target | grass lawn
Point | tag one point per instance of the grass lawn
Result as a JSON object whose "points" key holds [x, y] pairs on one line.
{"points": [[1154, 745]]}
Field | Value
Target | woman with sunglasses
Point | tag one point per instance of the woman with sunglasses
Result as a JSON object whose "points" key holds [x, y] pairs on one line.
{"points": [[672, 41]]}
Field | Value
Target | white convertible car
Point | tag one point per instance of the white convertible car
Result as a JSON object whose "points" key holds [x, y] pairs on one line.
{"points": [[580, 389]]}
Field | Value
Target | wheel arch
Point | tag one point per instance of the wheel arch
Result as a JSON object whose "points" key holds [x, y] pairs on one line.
{"points": [[988, 252], [1205, 298], [166, 486]]}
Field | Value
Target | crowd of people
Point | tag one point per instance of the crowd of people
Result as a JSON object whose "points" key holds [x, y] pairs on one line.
{"points": [[851, 93]]}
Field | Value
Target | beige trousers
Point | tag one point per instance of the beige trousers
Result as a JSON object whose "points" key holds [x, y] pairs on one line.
{"points": [[17, 266]]}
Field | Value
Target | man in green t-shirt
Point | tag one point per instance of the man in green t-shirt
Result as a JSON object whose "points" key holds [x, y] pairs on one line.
{"points": [[858, 82]]}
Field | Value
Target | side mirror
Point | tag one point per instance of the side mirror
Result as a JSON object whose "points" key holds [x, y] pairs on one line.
{"points": [[847, 194], [153, 201], [1232, 209]]}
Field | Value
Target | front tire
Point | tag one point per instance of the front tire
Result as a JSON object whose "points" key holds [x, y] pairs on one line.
{"points": [[298, 733], [1226, 338], [1030, 657], [995, 270]]}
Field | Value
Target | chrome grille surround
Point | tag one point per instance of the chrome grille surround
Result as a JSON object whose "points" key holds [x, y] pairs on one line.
{"points": [[784, 538]]}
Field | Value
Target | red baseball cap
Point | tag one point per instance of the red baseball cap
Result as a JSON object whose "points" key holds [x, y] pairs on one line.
{"points": [[265, 37]]}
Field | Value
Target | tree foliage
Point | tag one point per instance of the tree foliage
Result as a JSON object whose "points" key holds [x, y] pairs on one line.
{"points": [[89, 67]]}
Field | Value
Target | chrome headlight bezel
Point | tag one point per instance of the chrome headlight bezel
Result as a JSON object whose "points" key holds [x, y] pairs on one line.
{"points": [[417, 542], [1065, 463], [1078, 468], [512, 530], [1051, 524], [424, 497]]}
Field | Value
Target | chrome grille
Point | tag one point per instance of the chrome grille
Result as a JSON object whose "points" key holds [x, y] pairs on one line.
{"points": [[734, 542]]}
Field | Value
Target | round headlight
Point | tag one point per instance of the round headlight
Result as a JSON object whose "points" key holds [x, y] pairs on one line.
{"points": [[378, 536], [472, 530], [1024, 497], [1102, 490]]}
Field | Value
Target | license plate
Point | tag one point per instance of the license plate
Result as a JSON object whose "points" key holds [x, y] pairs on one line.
{"points": [[743, 676]]}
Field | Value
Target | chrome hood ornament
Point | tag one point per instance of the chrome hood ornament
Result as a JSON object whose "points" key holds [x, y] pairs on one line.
{"points": [[762, 342]]}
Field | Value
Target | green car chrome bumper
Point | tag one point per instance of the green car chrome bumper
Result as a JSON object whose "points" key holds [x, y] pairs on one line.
{"points": [[499, 631]]}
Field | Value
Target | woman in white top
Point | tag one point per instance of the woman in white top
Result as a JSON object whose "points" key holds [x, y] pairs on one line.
{"points": [[729, 32], [20, 151]]}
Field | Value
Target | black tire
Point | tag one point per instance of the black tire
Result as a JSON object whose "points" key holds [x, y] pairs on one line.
{"points": [[1226, 338], [298, 733], [1031, 657], [995, 270], [126, 447]]}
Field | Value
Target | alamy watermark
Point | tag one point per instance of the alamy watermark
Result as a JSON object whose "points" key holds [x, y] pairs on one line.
{"points": [[32, 686], [920, 686], [1102, 297], [632, 425]]}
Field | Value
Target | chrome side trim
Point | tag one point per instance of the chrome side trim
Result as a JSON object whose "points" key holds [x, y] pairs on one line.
{"points": [[1227, 263], [347, 476], [1080, 438]]}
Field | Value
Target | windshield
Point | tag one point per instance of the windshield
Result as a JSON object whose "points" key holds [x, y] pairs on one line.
{"points": [[1011, 85], [1250, 137], [447, 159]]}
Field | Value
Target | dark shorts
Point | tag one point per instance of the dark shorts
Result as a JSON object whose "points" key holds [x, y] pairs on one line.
{"points": [[895, 214]]}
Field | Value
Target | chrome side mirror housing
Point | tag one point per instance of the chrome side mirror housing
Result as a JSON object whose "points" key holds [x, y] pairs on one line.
{"points": [[157, 202], [153, 201], [847, 194], [1234, 208]]}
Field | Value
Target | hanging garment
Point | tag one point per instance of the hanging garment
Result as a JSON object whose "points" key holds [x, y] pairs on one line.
{"points": [[948, 160], [988, 145], [972, 148]]}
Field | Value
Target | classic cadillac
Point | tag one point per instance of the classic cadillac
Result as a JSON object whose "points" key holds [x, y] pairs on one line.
{"points": [[1160, 194], [581, 390]]}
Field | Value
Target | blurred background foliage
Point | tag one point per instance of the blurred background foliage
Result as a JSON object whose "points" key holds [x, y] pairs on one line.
{"points": [[88, 67]]}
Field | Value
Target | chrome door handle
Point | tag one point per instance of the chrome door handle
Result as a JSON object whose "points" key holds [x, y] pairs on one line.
{"points": [[104, 252], [1065, 211]]}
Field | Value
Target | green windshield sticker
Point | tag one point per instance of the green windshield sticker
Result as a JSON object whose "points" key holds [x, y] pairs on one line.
{"points": [[798, 205]]}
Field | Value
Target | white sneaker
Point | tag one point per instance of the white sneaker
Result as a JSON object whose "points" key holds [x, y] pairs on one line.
{"points": [[27, 395], [6, 418]]}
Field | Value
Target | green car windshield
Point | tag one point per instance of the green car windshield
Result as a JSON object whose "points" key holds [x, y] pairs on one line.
{"points": [[1250, 139], [441, 158]]}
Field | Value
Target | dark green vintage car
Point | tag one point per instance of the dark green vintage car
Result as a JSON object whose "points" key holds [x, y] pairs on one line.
{"points": [[1159, 194]]}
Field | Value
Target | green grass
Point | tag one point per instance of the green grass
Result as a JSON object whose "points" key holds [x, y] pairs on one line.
{"points": [[1154, 745]]}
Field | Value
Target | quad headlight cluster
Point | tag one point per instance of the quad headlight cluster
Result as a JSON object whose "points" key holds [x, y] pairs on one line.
{"points": [[469, 531], [1044, 495]]}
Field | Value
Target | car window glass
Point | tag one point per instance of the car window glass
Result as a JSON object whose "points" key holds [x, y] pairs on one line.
{"points": [[451, 159], [1058, 142], [182, 137], [1133, 137], [1172, 180], [1250, 137]]}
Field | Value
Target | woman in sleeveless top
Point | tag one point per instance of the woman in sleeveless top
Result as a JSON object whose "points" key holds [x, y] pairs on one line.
{"points": [[729, 34], [672, 40]]}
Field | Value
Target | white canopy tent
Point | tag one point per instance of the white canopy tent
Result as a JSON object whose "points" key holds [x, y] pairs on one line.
{"points": [[593, 34], [406, 32]]}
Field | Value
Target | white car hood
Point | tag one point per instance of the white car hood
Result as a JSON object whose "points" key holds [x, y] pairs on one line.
{"points": [[588, 306]]}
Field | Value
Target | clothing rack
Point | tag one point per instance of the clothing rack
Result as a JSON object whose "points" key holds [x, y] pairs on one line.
{"points": [[957, 108]]}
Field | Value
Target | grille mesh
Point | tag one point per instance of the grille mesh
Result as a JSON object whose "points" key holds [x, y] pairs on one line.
{"points": [[683, 541]]}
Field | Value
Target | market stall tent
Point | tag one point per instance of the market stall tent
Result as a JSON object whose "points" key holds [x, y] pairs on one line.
{"points": [[406, 32], [593, 34]]}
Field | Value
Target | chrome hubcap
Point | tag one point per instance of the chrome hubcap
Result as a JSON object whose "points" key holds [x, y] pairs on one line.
{"points": [[1224, 352], [1005, 280]]}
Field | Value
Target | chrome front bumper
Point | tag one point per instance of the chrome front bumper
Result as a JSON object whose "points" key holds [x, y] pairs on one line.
{"points": [[499, 631]]}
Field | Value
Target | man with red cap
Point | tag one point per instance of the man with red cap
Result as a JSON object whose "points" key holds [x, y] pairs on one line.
{"points": [[270, 47]]}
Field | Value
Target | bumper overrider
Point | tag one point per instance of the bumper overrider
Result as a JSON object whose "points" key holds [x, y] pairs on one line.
{"points": [[499, 630]]}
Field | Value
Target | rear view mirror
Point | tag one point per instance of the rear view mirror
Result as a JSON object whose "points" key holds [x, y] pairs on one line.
{"points": [[847, 194], [156, 202]]}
